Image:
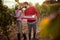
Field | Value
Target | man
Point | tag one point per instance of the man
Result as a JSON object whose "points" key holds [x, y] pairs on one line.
{"points": [[30, 14]]}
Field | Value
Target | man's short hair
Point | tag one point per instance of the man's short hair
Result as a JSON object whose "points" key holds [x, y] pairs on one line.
{"points": [[26, 3]]}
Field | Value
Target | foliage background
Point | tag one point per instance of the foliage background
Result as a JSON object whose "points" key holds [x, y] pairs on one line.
{"points": [[49, 22]]}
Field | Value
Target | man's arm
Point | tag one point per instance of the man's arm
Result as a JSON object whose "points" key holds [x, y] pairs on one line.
{"points": [[36, 13]]}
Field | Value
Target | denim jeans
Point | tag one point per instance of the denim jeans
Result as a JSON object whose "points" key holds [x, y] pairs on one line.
{"points": [[19, 34], [30, 26], [19, 25]]}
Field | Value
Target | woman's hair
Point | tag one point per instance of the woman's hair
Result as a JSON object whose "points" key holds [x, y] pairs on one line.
{"points": [[16, 7]]}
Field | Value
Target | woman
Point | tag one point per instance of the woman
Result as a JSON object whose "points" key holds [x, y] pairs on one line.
{"points": [[18, 14]]}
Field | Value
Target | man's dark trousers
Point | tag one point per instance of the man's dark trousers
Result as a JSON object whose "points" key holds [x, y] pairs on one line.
{"points": [[30, 26]]}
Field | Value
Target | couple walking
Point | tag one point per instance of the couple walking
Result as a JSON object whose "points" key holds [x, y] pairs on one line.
{"points": [[30, 14]]}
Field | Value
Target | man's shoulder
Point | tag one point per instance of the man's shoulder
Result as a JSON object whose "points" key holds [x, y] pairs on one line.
{"points": [[32, 6]]}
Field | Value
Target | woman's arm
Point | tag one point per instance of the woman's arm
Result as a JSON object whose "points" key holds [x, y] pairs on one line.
{"points": [[18, 14]]}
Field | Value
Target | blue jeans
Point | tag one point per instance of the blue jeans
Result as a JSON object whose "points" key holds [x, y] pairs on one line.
{"points": [[30, 26], [19, 34], [19, 25]]}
